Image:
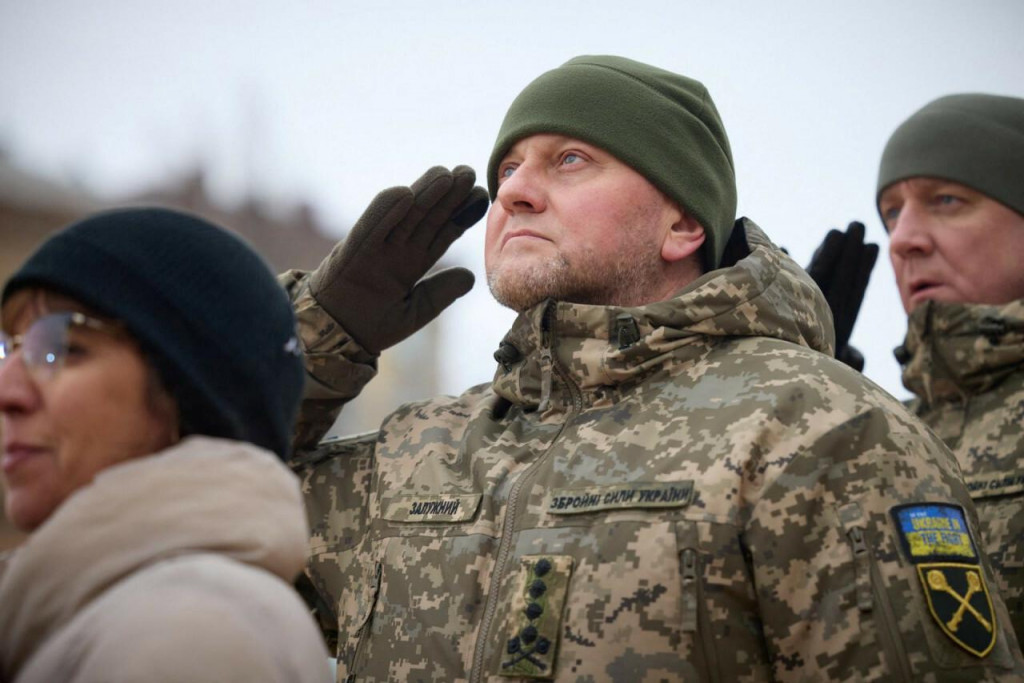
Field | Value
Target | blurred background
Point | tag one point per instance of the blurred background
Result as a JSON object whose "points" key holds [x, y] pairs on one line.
{"points": [[282, 120]]}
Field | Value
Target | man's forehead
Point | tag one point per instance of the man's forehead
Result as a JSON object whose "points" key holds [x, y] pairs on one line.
{"points": [[922, 184], [546, 141]]}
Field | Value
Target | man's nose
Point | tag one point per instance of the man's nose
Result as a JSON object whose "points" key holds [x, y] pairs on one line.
{"points": [[523, 191], [911, 233]]}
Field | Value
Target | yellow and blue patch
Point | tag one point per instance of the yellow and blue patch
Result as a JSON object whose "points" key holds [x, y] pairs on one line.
{"points": [[937, 540]]}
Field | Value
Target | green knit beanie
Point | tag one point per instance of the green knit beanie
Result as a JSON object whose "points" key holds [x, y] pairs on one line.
{"points": [[661, 124], [975, 140]]}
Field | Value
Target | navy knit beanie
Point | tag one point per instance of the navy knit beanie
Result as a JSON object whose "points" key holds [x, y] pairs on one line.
{"points": [[204, 307]]}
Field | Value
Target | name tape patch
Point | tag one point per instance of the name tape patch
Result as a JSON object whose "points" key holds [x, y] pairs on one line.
{"points": [[1000, 484], [660, 494], [432, 508]]}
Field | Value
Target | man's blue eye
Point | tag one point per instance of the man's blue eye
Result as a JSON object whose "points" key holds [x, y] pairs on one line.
{"points": [[570, 158], [507, 171]]}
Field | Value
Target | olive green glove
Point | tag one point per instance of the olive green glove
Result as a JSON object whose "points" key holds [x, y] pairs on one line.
{"points": [[373, 282]]}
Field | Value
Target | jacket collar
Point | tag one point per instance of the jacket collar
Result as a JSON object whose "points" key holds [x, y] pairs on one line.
{"points": [[559, 353], [202, 495], [959, 350]]}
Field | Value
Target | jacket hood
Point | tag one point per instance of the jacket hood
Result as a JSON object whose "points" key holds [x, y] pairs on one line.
{"points": [[957, 350], [203, 495], [764, 294]]}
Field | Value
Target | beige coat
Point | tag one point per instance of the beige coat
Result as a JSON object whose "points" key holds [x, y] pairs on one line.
{"points": [[173, 567]]}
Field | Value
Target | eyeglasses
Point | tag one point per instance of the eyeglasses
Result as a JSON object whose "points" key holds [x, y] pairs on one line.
{"points": [[45, 345]]}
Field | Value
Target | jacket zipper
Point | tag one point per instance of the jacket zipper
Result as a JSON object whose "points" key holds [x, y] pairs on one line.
{"points": [[866, 599], [364, 630], [862, 570], [695, 617], [512, 508]]}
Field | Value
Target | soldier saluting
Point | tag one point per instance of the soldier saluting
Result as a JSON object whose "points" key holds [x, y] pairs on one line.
{"points": [[668, 477]]}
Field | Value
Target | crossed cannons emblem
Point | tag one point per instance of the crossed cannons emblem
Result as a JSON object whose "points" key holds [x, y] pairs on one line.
{"points": [[937, 581]]}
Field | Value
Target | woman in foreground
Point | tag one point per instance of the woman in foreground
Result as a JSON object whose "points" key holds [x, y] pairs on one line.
{"points": [[149, 377]]}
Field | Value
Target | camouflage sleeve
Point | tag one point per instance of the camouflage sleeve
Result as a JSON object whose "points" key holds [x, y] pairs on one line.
{"points": [[865, 554], [335, 479], [337, 368]]}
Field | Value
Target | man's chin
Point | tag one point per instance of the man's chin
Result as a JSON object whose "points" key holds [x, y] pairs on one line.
{"points": [[516, 299], [521, 289]]}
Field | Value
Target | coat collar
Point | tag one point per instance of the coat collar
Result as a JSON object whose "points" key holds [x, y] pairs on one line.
{"points": [[559, 354], [959, 350], [202, 495]]}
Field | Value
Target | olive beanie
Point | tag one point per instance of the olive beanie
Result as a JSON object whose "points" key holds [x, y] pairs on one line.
{"points": [[973, 139], [204, 307], [661, 124]]}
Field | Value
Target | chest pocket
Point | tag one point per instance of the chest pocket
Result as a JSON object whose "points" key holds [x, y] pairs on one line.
{"points": [[649, 595]]}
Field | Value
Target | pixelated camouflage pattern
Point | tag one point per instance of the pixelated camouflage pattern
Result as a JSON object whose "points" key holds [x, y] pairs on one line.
{"points": [[783, 564], [337, 368], [966, 366]]}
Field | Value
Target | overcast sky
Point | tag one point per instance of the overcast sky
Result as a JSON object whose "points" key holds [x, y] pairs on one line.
{"points": [[329, 102]]}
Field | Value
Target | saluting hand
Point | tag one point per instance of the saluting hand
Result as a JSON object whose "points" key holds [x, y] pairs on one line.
{"points": [[841, 267], [373, 282]]}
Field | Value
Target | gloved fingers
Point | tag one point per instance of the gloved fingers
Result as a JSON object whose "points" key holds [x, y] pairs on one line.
{"points": [[463, 217], [434, 293], [853, 250], [846, 267], [433, 191], [386, 210], [855, 231], [855, 293], [852, 357], [473, 209], [440, 214], [824, 259], [425, 191], [853, 275]]}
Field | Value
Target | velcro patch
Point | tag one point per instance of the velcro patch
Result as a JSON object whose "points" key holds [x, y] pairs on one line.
{"points": [[933, 532], [655, 494], [535, 617], [960, 603], [440, 507], [999, 484], [937, 540]]}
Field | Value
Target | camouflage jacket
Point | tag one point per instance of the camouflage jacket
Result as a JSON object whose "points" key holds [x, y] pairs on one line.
{"points": [[965, 363], [688, 490]]}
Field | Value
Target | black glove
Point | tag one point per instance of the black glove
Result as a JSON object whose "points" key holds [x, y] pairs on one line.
{"points": [[841, 267], [372, 283]]}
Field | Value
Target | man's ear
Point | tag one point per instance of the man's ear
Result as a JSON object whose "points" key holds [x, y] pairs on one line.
{"points": [[683, 239]]}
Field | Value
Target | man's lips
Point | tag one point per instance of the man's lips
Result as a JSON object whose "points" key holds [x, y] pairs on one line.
{"points": [[923, 289], [15, 454], [522, 234]]}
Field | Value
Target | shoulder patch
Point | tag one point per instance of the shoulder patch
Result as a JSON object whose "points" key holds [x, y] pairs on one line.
{"points": [[934, 531], [936, 539]]}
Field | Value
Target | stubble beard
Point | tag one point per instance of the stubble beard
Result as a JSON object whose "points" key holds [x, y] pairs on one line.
{"points": [[627, 279]]}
